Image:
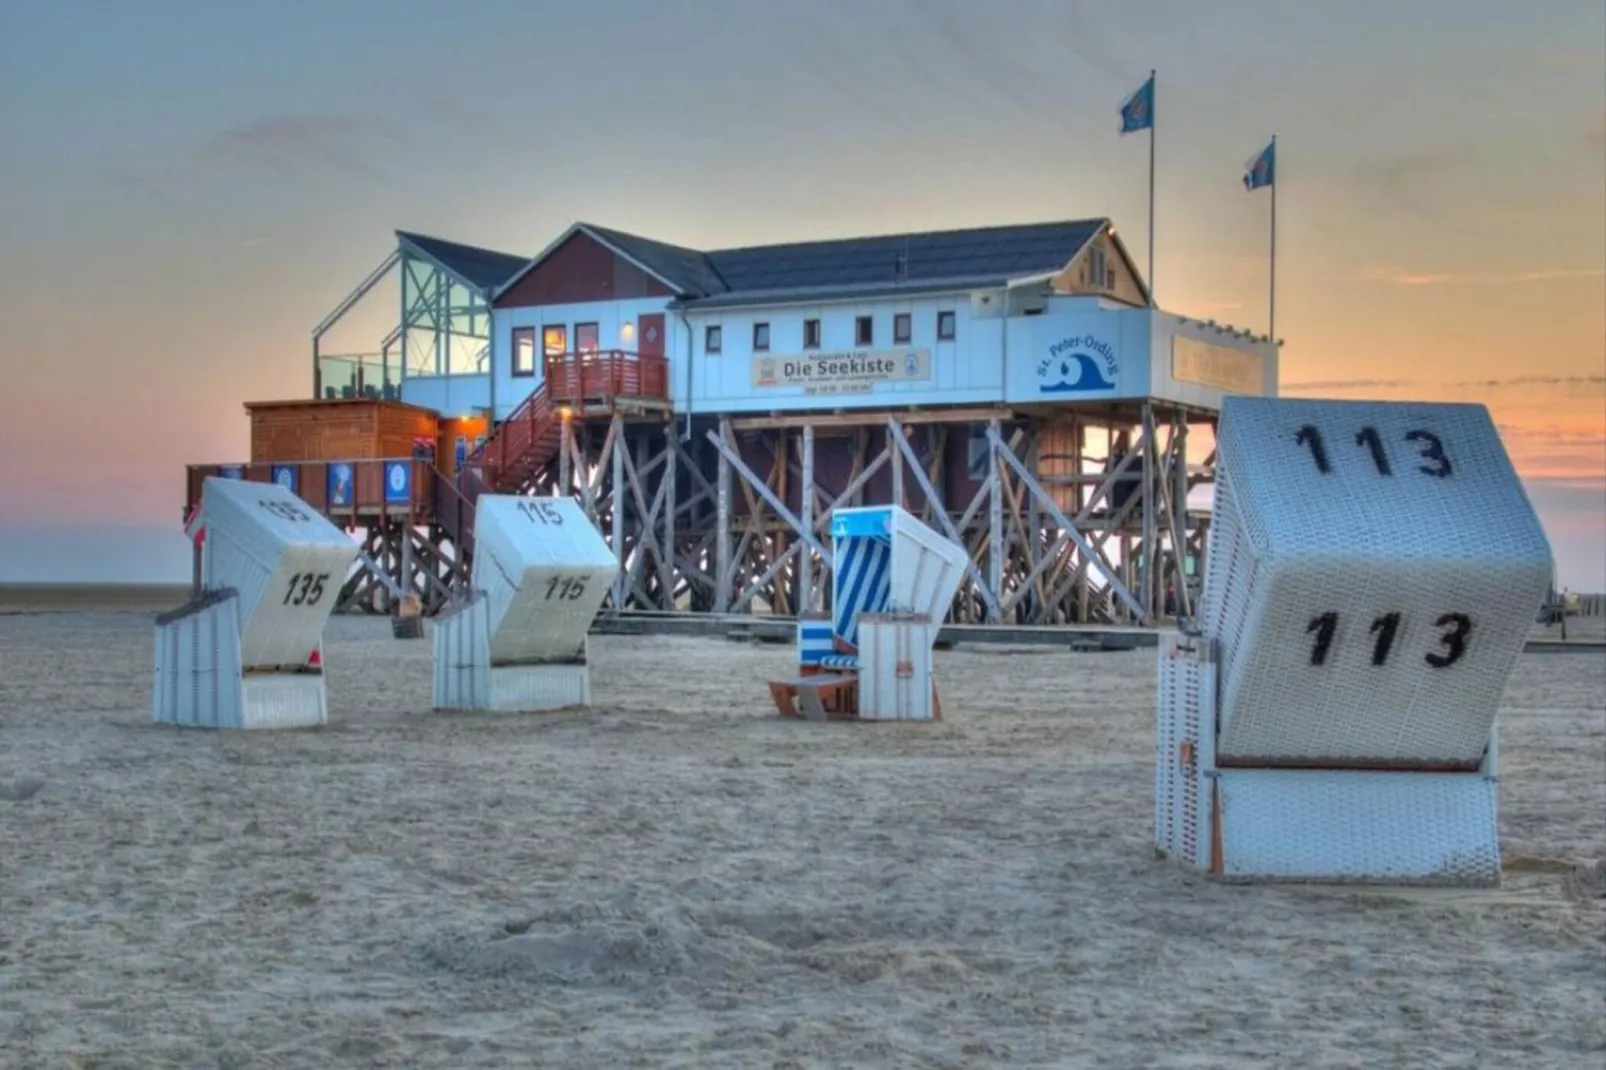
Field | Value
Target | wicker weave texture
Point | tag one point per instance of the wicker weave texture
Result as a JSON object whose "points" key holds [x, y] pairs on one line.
{"points": [[1381, 828], [1372, 573]]}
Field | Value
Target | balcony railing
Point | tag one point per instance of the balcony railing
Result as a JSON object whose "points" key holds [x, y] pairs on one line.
{"points": [[363, 486], [360, 375], [600, 376]]}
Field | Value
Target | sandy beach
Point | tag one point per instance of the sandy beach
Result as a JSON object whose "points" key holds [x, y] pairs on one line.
{"points": [[676, 877]]}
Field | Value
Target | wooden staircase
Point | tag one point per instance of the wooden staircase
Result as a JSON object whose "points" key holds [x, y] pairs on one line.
{"points": [[507, 463], [522, 445]]}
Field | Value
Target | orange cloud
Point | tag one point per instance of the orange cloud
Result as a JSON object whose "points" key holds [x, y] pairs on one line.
{"points": [[1554, 427], [1399, 276]]}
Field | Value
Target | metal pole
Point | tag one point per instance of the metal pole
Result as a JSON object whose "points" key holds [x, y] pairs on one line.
{"points": [[1153, 119], [1274, 183]]}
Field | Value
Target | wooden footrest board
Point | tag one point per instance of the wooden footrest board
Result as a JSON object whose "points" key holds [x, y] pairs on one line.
{"points": [[816, 696]]}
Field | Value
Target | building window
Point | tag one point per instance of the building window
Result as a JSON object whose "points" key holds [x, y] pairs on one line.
{"points": [[945, 326], [979, 453], [761, 338], [864, 331], [1096, 271], [587, 339], [524, 351], [902, 328], [713, 338], [811, 334], [554, 341]]}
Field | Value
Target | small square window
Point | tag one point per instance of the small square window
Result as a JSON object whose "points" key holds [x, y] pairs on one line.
{"points": [[902, 328], [945, 326], [811, 334], [761, 338], [864, 331], [713, 339]]}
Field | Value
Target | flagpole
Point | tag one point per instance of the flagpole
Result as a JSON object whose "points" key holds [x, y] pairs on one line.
{"points": [[1154, 92], [1274, 183]]}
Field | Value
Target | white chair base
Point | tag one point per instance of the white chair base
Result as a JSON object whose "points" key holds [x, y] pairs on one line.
{"points": [[465, 679], [1423, 827], [531, 688], [200, 683], [1353, 826], [895, 681]]}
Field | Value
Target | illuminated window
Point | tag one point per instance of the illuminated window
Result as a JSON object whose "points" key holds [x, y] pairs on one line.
{"points": [[554, 340], [587, 338]]}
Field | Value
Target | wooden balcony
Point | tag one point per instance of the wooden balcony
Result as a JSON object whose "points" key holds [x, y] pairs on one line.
{"points": [[603, 378]]}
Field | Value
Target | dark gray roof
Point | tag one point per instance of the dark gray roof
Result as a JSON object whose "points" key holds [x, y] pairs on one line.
{"points": [[847, 267], [687, 270], [981, 253], [484, 269]]}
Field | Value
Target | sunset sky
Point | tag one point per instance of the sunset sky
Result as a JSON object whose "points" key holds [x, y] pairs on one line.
{"points": [[186, 188]]}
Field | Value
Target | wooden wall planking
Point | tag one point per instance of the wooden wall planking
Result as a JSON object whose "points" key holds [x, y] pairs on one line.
{"points": [[337, 430]]}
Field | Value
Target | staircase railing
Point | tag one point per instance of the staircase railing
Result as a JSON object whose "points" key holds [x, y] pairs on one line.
{"points": [[454, 511], [510, 445]]}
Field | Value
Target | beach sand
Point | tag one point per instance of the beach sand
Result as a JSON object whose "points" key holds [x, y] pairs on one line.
{"points": [[676, 877]]}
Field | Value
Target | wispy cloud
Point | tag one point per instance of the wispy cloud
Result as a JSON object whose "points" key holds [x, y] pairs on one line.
{"points": [[1395, 275], [1195, 309], [1575, 61], [1349, 384], [303, 146], [1406, 180], [292, 147], [1571, 383]]}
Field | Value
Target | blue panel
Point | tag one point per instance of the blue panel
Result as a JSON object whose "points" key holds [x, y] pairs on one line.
{"points": [[813, 641], [340, 484], [231, 471], [285, 475], [398, 482], [865, 523], [861, 583]]}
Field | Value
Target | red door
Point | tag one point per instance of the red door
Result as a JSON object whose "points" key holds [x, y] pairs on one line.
{"points": [[652, 366], [650, 335]]}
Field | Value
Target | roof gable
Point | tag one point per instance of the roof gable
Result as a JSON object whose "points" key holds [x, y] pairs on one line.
{"points": [[687, 270], [482, 269]]}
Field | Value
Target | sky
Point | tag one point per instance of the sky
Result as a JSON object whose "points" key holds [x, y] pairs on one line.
{"points": [[186, 188]]}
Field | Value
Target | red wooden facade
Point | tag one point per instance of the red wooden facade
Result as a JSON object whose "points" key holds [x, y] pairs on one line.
{"points": [[581, 270]]}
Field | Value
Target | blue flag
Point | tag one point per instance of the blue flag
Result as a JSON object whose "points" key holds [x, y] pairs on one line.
{"points": [[1261, 170], [1137, 110]]}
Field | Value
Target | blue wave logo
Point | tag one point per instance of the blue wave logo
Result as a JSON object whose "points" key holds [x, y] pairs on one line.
{"points": [[1078, 365]]}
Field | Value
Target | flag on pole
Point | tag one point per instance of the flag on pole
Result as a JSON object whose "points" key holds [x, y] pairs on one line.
{"points": [[1261, 170], [1137, 110]]}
